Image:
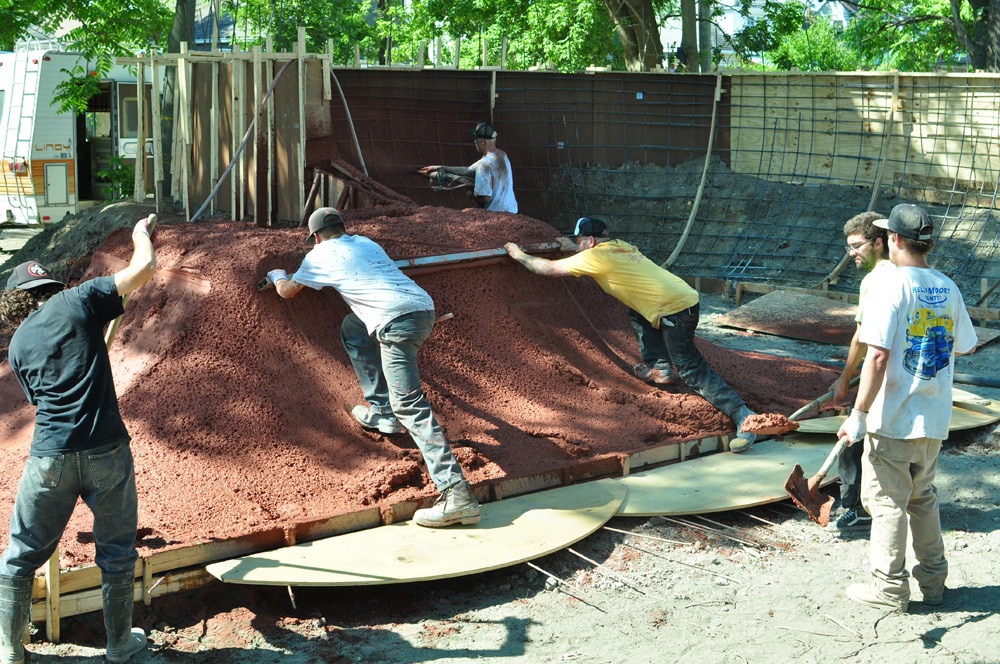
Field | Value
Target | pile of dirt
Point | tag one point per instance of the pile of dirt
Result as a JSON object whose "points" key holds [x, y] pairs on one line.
{"points": [[238, 402]]}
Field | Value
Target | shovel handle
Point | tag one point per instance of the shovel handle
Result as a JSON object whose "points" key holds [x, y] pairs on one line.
{"points": [[815, 403], [834, 453]]}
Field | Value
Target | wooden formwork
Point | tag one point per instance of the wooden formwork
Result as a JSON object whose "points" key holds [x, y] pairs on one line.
{"points": [[69, 592]]}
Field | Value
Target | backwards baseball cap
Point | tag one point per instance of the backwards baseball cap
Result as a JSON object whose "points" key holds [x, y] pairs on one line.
{"points": [[589, 227], [31, 275], [323, 217], [908, 220], [483, 130]]}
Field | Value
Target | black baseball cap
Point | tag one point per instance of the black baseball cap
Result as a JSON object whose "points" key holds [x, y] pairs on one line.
{"points": [[31, 274], [323, 217], [908, 220], [483, 130], [589, 227]]}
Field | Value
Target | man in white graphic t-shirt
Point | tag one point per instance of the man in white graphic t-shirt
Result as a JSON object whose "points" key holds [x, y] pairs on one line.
{"points": [[491, 178], [914, 326]]}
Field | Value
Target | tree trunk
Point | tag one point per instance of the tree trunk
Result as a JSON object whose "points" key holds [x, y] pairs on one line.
{"points": [[986, 35], [705, 35], [182, 30], [635, 21], [689, 33]]}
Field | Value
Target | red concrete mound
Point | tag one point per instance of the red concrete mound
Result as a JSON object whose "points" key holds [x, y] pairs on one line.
{"points": [[238, 402]]}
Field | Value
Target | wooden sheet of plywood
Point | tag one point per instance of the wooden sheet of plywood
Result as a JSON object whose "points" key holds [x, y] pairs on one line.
{"points": [[726, 481], [966, 414], [511, 531], [796, 316], [803, 316]]}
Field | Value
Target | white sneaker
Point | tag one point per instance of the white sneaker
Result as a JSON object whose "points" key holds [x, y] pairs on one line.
{"points": [[370, 420]]}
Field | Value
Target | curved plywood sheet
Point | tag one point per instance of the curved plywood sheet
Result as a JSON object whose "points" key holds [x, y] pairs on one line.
{"points": [[511, 531], [720, 482], [968, 412]]}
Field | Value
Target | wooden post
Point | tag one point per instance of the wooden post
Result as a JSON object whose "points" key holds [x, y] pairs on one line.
{"points": [[301, 165], [738, 298], [183, 87], [52, 598], [240, 174], [157, 138], [437, 51], [458, 52], [234, 100], [269, 47], [147, 582], [422, 55], [493, 94], [139, 185], [486, 47], [258, 94], [357, 56], [213, 158], [327, 66], [503, 53]]}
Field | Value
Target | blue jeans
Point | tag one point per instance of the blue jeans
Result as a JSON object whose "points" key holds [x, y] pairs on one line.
{"points": [[46, 495], [386, 365], [674, 342]]}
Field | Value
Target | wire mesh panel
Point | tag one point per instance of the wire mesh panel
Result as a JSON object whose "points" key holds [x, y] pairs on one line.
{"points": [[804, 154], [945, 155], [608, 145]]}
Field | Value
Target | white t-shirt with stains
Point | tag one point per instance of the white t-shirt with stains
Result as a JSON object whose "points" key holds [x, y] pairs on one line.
{"points": [[494, 178]]}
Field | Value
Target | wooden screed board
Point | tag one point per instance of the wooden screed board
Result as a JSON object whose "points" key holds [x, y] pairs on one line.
{"points": [[727, 481], [511, 531]]}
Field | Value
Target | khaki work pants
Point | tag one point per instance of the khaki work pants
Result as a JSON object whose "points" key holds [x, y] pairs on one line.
{"points": [[897, 477]]}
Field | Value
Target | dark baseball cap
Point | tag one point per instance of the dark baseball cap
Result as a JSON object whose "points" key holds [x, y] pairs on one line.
{"points": [[908, 220], [31, 274], [323, 217], [483, 130], [589, 227]]}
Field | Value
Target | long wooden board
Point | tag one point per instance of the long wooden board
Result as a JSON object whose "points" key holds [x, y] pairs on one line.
{"points": [[726, 481], [511, 531]]}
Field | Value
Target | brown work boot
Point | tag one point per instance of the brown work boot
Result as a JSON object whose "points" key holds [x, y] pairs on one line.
{"points": [[456, 504]]}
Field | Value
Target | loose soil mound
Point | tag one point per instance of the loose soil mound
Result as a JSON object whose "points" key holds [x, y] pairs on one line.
{"points": [[238, 402]]}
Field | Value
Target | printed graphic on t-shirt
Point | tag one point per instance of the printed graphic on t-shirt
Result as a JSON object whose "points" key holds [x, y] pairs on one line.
{"points": [[929, 339]]}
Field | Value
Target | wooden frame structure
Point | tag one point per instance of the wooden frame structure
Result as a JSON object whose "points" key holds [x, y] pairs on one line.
{"points": [[69, 592], [217, 97]]}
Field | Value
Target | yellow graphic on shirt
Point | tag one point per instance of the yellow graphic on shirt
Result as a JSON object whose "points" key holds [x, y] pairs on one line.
{"points": [[929, 340]]}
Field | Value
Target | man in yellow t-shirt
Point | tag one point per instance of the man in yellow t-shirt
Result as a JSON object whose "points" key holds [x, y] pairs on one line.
{"points": [[663, 309]]}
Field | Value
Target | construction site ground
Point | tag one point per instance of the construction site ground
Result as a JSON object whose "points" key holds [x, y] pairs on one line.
{"points": [[775, 596]]}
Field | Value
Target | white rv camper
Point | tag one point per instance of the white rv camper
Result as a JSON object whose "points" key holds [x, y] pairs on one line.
{"points": [[50, 161]]}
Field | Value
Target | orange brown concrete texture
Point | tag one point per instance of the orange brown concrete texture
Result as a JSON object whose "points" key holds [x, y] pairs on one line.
{"points": [[238, 402]]}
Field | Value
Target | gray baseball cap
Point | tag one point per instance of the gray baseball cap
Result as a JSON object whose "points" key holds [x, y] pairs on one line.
{"points": [[31, 274], [323, 217], [908, 220]]}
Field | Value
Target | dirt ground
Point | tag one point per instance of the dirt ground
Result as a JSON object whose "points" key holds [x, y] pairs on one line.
{"points": [[706, 598]]}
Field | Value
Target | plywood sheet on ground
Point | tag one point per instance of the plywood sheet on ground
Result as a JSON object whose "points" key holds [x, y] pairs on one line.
{"points": [[796, 316], [964, 415], [511, 531], [725, 481], [809, 317]]}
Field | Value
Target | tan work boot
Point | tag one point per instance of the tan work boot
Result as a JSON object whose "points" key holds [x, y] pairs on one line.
{"points": [[456, 504], [865, 593]]}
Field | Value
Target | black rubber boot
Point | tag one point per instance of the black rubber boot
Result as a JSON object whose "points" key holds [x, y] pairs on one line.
{"points": [[15, 612], [118, 591]]}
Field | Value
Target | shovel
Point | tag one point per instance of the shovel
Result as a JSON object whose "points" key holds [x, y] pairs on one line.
{"points": [[805, 493]]}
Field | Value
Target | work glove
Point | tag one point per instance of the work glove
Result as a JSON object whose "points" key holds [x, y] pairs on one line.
{"points": [[274, 276], [142, 228], [854, 427]]}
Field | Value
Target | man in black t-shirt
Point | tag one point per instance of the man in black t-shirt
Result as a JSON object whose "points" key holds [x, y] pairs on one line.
{"points": [[80, 448]]}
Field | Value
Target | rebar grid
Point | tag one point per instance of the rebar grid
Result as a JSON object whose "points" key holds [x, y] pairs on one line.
{"points": [[794, 157]]}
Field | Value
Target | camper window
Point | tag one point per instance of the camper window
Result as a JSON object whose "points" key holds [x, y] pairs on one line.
{"points": [[130, 118]]}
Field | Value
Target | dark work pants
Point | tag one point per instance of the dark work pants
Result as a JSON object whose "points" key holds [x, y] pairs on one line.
{"points": [[849, 465], [675, 339]]}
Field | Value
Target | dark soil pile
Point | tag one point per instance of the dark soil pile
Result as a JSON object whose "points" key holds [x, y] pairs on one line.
{"points": [[238, 402]]}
